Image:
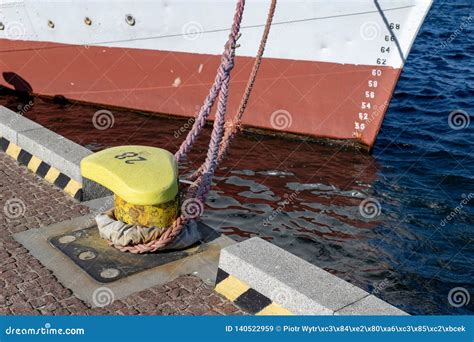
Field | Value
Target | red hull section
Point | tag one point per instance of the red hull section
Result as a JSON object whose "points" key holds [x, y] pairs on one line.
{"points": [[317, 99]]}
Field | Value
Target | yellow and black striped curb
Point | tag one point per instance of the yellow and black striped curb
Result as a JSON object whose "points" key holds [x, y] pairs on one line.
{"points": [[42, 169], [245, 297]]}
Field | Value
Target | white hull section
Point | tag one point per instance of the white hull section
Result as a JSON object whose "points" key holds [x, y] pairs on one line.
{"points": [[339, 31]]}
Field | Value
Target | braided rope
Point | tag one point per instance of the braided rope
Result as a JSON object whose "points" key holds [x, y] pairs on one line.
{"points": [[205, 181], [223, 131], [220, 87], [232, 126], [210, 165], [161, 242], [222, 73]]}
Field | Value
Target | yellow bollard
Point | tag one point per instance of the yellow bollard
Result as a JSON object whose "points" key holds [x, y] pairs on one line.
{"points": [[144, 181]]}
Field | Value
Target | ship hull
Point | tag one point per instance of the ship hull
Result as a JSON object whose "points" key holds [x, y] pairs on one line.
{"points": [[328, 96]]}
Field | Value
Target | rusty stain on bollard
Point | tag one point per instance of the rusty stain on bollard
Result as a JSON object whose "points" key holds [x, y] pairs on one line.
{"points": [[158, 215]]}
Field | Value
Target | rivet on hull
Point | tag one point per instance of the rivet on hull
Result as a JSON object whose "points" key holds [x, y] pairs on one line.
{"points": [[130, 20]]}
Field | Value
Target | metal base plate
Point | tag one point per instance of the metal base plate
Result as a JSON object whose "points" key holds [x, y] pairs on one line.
{"points": [[106, 264], [39, 243]]}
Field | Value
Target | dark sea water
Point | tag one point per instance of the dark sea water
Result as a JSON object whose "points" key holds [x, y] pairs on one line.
{"points": [[416, 250]]}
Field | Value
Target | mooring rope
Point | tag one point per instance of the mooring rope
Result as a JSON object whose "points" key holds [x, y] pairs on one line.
{"points": [[223, 72], [232, 126], [222, 133]]}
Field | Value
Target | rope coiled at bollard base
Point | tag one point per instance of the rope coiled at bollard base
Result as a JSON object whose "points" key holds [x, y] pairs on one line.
{"points": [[123, 236]]}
